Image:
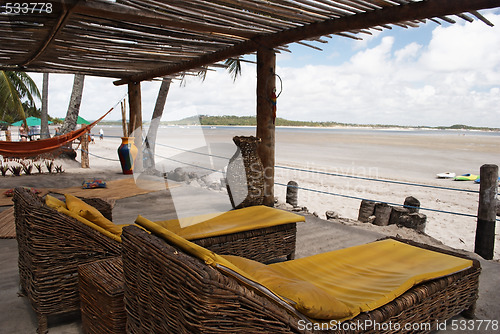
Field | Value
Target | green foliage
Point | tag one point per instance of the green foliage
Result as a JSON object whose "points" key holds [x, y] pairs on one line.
{"points": [[16, 88], [233, 67], [231, 120]]}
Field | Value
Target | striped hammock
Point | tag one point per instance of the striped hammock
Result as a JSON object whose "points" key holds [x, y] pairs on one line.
{"points": [[26, 149]]}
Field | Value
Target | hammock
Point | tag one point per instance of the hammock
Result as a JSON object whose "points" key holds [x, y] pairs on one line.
{"points": [[25, 149]]}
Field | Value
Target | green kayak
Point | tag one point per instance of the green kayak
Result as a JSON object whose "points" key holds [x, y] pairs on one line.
{"points": [[466, 177]]}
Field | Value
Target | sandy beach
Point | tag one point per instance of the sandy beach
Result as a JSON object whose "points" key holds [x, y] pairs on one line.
{"points": [[402, 156], [410, 156]]}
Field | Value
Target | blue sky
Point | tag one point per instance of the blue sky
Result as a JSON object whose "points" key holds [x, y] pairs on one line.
{"points": [[432, 75]]}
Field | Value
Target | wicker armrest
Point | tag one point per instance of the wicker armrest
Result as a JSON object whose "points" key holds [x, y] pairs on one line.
{"points": [[103, 206]]}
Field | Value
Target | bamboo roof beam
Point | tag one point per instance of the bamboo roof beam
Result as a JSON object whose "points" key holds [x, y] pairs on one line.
{"points": [[400, 13]]}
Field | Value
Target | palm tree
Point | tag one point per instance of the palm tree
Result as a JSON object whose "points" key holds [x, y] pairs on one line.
{"points": [[15, 87], [149, 145], [74, 104], [44, 113], [234, 68]]}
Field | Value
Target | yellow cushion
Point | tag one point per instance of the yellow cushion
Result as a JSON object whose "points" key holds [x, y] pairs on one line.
{"points": [[54, 203], [88, 212], [368, 276], [307, 298], [215, 224]]}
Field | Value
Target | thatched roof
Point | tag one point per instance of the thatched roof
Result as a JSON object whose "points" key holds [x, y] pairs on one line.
{"points": [[136, 40]]}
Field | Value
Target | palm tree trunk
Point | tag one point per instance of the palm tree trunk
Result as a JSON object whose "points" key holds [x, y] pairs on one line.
{"points": [[74, 105], [44, 115], [149, 148]]}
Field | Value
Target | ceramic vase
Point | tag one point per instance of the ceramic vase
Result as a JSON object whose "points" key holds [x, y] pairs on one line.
{"points": [[127, 152]]}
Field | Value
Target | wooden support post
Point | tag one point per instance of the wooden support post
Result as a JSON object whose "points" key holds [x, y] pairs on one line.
{"points": [[366, 209], [135, 120], [292, 190], [486, 213], [266, 83], [124, 119], [84, 140]]}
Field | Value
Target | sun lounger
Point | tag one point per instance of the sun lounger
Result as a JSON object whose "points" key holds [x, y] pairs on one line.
{"points": [[54, 241], [174, 286]]}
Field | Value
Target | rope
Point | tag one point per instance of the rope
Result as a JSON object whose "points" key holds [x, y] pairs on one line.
{"points": [[377, 180], [365, 199], [201, 153], [188, 164], [98, 156], [337, 174]]}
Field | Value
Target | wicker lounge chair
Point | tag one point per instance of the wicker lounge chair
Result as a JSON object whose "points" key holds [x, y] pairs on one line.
{"points": [[51, 246], [168, 290]]}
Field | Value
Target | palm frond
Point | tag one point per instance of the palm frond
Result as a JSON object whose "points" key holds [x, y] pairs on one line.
{"points": [[25, 86], [233, 67], [10, 100]]}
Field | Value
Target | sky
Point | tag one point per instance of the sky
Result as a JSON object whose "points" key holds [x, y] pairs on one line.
{"points": [[435, 75]]}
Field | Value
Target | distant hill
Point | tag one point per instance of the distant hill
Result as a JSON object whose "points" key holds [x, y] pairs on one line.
{"points": [[232, 120]]}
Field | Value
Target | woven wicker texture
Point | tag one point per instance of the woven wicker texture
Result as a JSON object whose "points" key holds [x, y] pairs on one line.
{"points": [[168, 291], [51, 246], [101, 295], [261, 245]]}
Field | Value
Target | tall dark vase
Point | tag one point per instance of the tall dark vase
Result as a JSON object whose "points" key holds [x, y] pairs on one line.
{"points": [[127, 152], [245, 174]]}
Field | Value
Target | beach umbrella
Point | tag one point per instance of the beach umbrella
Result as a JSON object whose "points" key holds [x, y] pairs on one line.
{"points": [[80, 120], [31, 121]]}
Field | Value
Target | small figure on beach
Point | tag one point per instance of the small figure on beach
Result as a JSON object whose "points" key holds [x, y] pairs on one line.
{"points": [[101, 134], [22, 133], [58, 131]]}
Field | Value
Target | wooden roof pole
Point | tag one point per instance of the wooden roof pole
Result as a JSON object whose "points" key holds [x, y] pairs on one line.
{"points": [[411, 11], [61, 23], [135, 120], [266, 84]]}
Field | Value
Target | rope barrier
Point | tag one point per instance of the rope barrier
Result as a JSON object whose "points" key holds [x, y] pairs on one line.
{"points": [[313, 190], [336, 174], [97, 156], [201, 153], [188, 164], [377, 180], [394, 204]]}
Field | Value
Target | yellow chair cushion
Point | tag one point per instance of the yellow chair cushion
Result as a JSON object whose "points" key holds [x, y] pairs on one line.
{"points": [[54, 203], [215, 224], [306, 297], [60, 206], [368, 276], [88, 212]]}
